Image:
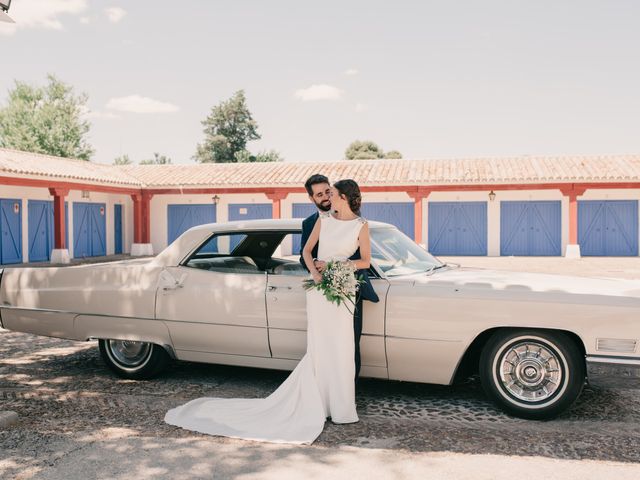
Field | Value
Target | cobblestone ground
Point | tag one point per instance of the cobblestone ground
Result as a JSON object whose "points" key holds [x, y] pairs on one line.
{"points": [[61, 390], [69, 403]]}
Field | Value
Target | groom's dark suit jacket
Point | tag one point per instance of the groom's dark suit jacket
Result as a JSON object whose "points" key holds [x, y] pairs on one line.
{"points": [[366, 289]]}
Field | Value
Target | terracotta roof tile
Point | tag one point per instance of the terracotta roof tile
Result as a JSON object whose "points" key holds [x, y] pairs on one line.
{"points": [[525, 169], [17, 163]]}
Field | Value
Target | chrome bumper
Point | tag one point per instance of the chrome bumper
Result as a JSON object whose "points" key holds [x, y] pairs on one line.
{"points": [[613, 372]]}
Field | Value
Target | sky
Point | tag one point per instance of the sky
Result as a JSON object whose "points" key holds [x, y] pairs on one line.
{"points": [[432, 79]]}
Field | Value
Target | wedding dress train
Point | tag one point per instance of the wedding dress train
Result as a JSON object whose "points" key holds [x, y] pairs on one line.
{"points": [[321, 385]]}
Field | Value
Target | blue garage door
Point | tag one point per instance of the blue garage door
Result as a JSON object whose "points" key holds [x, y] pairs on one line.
{"points": [[301, 210], [41, 229], [248, 211], [530, 228], [399, 214], [117, 228], [182, 217], [458, 228], [11, 231], [608, 227], [89, 230]]}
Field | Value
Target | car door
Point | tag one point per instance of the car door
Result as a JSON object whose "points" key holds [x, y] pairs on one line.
{"points": [[214, 303], [287, 315]]}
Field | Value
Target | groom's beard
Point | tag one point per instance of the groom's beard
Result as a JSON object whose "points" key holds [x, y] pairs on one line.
{"points": [[324, 206]]}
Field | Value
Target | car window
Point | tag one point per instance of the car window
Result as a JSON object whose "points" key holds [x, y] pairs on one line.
{"points": [[218, 254], [396, 254], [285, 260]]}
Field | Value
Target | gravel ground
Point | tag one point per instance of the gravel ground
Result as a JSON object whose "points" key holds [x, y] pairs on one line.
{"points": [[77, 420]]}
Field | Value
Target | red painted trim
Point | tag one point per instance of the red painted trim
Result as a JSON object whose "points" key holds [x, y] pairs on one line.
{"points": [[137, 218], [196, 191], [33, 182], [418, 196], [276, 198], [58, 217], [146, 216], [573, 219], [284, 191], [409, 189]]}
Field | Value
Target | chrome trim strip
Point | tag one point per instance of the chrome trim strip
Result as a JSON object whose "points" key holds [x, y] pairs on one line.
{"points": [[424, 339], [613, 372], [614, 360], [49, 310]]}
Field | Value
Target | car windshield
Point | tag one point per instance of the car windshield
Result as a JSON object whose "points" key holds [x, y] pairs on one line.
{"points": [[396, 254]]}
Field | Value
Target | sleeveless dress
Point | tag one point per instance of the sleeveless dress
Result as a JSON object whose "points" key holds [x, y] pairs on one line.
{"points": [[321, 385]]}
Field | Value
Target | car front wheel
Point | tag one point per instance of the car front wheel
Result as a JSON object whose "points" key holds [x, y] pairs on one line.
{"points": [[532, 374], [136, 360]]}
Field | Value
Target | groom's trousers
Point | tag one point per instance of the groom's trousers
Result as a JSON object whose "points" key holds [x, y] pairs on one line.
{"points": [[357, 331]]}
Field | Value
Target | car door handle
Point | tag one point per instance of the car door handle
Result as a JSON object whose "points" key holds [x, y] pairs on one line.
{"points": [[271, 288]]}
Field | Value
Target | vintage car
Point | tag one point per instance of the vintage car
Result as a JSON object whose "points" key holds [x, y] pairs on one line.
{"points": [[231, 293]]}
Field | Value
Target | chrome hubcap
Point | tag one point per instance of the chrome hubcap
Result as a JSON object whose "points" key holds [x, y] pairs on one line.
{"points": [[129, 353], [530, 371]]}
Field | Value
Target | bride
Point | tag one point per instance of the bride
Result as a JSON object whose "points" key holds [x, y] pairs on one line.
{"points": [[322, 384]]}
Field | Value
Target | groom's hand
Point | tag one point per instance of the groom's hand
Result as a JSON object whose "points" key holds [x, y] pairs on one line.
{"points": [[320, 265]]}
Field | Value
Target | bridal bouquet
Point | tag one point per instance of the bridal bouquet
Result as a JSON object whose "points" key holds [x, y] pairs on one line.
{"points": [[339, 283]]}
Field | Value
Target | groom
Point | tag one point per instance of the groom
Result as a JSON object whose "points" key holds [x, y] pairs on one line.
{"points": [[318, 188]]}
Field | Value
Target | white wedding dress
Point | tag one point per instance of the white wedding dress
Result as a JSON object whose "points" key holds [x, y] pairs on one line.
{"points": [[321, 385]]}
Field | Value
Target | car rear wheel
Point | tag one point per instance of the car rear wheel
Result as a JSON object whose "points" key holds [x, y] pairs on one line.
{"points": [[532, 374], [130, 359]]}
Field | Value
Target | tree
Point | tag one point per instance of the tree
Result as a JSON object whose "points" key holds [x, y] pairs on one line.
{"points": [[264, 156], [46, 120], [122, 160], [268, 156], [363, 150], [393, 154], [156, 160], [367, 150], [227, 130]]}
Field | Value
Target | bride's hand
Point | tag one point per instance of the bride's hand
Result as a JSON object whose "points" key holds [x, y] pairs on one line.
{"points": [[317, 277]]}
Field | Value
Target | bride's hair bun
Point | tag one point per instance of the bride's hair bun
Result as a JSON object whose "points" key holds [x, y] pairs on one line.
{"points": [[350, 189]]}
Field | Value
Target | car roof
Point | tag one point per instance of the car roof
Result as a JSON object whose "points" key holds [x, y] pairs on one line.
{"points": [[194, 236], [266, 224]]}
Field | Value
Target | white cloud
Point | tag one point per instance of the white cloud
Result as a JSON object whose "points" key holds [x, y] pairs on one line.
{"points": [[85, 20], [87, 113], [360, 107], [43, 14], [351, 72], [97, 114], [319, 92], [139, 104], [115, 14]]}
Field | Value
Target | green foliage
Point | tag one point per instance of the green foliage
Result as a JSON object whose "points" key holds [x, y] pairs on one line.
{"points": [[46, 120], [363, 150], [227, 129], [156, 160], [122, 160], [264, 156], [393, 154], [368, 150]]}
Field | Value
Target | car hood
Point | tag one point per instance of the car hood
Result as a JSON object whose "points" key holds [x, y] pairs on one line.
{"points": [[479, 278]]}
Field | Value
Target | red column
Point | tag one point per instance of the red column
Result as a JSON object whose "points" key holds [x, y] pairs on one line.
{"points": [[146, 217], [276, 198], [137, 217], [418, 196], [58, 217], [573, 192]]}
